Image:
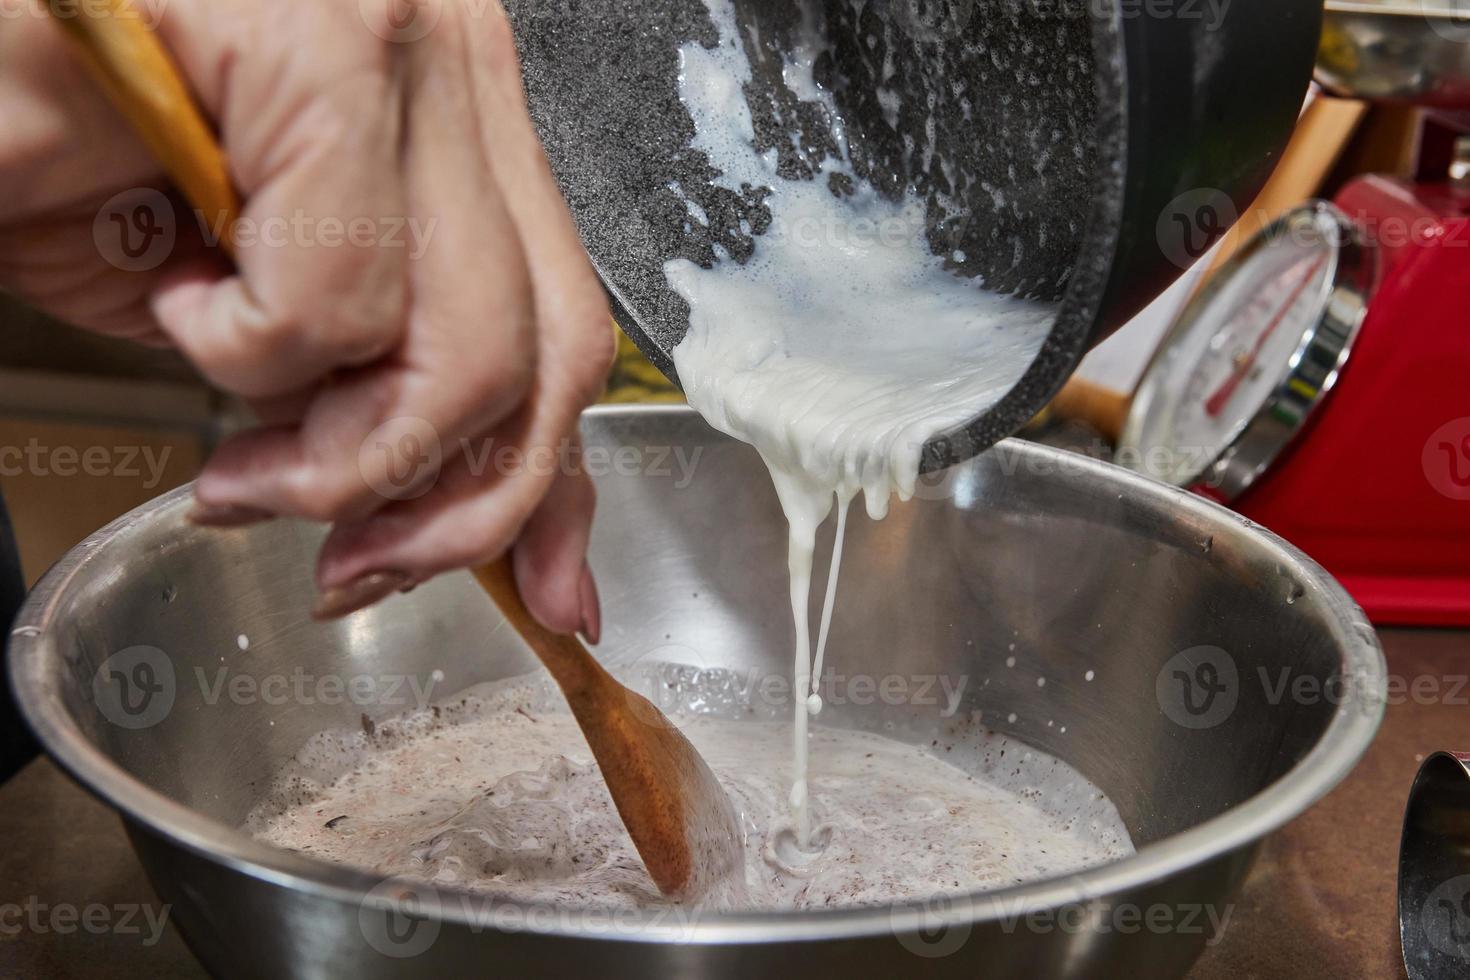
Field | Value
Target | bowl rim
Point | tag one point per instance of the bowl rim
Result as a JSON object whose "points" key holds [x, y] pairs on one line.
{"points": [[33, 649]]}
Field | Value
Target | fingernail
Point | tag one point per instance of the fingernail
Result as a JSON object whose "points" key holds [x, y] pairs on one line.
{"points": [[591, 607], [361, 592], [226, 515]]}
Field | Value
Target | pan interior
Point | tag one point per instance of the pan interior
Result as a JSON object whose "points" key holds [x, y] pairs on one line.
{"points": [[984, 112]]}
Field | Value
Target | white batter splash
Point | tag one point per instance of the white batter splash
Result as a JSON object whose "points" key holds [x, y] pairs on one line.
{"points": [[843, 345], [497, 793]]}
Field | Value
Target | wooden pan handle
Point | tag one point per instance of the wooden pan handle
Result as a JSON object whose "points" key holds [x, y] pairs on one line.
{"points": [[1102, 408]]}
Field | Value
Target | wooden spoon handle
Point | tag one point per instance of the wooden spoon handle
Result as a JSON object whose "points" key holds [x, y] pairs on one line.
{"points": [[144, 83], [576, 671]]}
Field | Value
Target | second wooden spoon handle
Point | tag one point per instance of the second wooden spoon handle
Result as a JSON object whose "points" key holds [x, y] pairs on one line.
{"points": [[141, 78]]}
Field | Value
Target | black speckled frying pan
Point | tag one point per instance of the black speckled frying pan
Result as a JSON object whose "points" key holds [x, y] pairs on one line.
{"points": [[1122, 135]]}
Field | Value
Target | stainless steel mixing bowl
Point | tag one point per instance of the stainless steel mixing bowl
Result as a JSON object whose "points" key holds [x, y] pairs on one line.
{"points": [[1213, 681]]}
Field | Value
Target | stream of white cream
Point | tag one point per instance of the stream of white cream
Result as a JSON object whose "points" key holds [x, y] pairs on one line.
{"points": [[841, 346]]}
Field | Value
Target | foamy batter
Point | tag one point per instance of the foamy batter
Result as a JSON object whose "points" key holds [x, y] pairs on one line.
{"points": [[497, 793], [843, 344]]}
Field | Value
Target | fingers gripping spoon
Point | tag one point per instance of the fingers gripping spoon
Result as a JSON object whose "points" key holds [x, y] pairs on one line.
{"points": [[674, 808]]}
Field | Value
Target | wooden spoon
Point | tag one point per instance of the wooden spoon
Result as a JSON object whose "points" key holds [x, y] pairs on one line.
{"points": [[675, 810]]}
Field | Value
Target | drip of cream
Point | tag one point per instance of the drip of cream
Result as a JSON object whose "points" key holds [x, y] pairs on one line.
{"points": [[841, 346], [814, 702]]}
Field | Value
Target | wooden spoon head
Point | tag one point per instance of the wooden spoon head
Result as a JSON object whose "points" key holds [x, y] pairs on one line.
{"points": [[675, 810]]}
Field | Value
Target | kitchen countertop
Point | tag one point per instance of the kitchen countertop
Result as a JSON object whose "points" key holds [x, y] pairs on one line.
{"points": [[1319, 903]]}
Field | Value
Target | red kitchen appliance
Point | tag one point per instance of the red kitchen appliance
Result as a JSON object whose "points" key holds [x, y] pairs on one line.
{"points": [[1320, 385], [1379, 490]]}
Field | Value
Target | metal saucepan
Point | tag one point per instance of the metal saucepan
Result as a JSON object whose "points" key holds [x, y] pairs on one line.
{"points": [[1084, 151], [1175, 639]]}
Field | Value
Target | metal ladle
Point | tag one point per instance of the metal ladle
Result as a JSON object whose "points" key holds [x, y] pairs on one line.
{"points": [[1434, 870]]}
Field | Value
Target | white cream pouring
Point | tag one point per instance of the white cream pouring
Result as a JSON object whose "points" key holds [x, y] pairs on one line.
{"points": [[840, 347]]}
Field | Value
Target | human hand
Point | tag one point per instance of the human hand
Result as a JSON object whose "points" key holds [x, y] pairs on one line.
{"points": [[481, 329]]}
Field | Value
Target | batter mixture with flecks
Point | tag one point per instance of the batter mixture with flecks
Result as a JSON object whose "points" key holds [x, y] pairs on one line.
{"points": [[496, 792]]}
